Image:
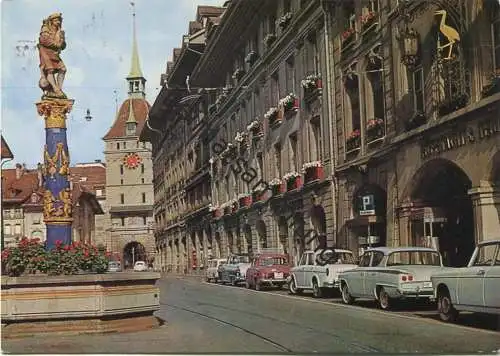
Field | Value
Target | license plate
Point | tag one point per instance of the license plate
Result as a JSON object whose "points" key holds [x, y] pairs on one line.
{"points": [[427, 284], [278, 275]]}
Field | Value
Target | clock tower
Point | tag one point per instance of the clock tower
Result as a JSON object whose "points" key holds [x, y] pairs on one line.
{"points": [[129, 174]]}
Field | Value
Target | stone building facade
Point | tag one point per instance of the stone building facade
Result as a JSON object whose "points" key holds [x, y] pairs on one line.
{"points": [[259, 118], [417, 107], [129, 178]]}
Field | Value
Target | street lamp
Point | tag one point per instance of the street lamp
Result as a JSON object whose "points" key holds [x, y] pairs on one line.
{"points": [[410, 45], [88, 117]]}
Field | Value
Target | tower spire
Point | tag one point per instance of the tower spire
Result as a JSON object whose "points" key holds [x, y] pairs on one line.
{"points": [[135, 67], [135, 79]]}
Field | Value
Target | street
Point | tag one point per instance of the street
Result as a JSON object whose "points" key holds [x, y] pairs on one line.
{"points": [[203, 317]]}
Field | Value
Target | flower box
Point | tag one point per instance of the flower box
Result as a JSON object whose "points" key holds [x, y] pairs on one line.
{"points": [[348, 36], [228, 210], [293, 183], [289, 103], [238, 74], [245, 201], [311, 82], [269, 39], [415, 121], [353, 141], [493, 87], [313, 171], [284, 20], [251, 57], [375, 129], [273, 116], [216, 213], [258, 195], [368, 20], [455, 103]]}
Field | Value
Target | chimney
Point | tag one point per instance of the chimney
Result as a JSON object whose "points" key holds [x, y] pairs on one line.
{"points": [[19, 170], [39, 169]]}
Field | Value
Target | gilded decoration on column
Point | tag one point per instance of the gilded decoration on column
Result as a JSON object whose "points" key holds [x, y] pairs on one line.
{"points": [[57, 210], [59, 162], [449, 33], [54, 111]]}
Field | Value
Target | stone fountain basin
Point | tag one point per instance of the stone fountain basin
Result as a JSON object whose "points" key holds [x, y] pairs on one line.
{"points": [[91, 303]]}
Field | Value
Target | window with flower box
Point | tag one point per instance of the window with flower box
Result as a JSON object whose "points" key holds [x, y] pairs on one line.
{"points": [[312, 54], [352, 112], [369, 15], [375, 106], [417, 89], [274, 96], [348, 34], [316, 142]]}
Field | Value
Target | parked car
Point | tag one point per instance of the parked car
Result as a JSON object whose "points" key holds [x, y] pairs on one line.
{"points": [[234, 270], [268, 269], [318, 271], [386, 274], [114, 266], [211, 274], [474, 288], [140, 266]]}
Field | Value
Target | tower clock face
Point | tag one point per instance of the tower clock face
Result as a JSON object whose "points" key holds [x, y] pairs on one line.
{"points": [[132, 160]]}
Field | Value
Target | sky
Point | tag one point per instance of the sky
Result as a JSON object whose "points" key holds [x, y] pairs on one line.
{"points": [[97, 58]]}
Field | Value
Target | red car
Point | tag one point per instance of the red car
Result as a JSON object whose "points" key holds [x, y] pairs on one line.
{"points": [[268, 270]]}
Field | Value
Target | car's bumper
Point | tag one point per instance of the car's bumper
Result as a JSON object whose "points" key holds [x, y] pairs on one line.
{"points": [[274, 281], [417, 292], [331, 284]]}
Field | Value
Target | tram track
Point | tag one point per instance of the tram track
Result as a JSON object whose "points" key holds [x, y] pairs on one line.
{"points": [[358, 348]]}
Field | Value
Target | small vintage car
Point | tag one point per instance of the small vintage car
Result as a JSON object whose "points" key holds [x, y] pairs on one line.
{"points": [[318, 271], [268, 269], [387, 274], [234, 270], [475, 288], [212, 274]]}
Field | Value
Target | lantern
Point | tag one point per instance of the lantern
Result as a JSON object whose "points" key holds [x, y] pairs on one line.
{"points": [[410, 44]]}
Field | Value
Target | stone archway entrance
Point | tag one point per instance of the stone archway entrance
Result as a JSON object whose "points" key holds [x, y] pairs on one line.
{"points": [[132, 252], [441, 212]]}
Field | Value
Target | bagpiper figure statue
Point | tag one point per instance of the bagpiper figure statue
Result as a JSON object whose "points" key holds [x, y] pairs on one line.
{"points": [[54, 107]]}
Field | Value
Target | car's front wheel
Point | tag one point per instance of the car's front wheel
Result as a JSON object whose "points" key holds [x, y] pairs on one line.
{"points": [[447, 311], [293, 287], [346, 295], [317, 292]]}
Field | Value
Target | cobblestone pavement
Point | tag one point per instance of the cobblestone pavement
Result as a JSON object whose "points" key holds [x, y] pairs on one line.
{"points": [[211, 318]]}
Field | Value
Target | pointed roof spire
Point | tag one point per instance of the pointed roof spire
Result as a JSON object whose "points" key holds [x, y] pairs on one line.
{"points": [[135, 68]]}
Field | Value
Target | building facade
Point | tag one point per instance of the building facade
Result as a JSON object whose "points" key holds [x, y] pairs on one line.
{"points": [[417, 107], [129, 186]]}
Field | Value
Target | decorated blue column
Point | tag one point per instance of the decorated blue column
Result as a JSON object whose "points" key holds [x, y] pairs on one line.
{"points": [[54, 106]]}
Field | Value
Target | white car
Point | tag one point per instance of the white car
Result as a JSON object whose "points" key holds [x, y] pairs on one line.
{"points": [[212, 274], [389, 273], [140, 266], [475, 288], [318, 271]]}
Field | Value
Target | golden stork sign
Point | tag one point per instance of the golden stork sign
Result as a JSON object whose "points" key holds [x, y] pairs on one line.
{"points": [[449, 32]]}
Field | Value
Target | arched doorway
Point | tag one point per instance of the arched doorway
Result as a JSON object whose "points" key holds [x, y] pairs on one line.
{"points": [[132, 252], [442, 213], [260, 226], [283, 233]]}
